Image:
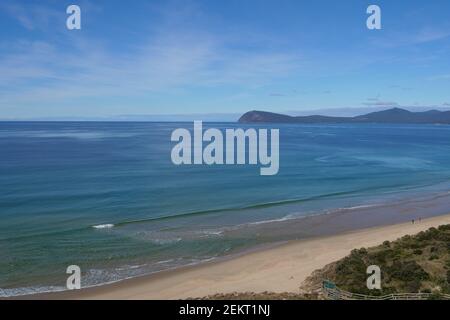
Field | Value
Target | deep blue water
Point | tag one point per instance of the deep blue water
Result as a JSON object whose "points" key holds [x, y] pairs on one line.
{"points": [[59, 180]]}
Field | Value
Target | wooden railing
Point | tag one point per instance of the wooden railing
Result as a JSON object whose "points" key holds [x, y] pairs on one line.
{"points": [[331, 292]]}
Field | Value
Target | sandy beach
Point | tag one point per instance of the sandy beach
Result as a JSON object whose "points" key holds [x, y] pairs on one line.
{"points": [[278, 269]]}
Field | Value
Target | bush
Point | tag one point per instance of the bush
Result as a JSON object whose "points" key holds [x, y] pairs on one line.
{"points": [[435, 296], [362, 251], [445, 227], [430, 234], [413, 286], [408, 271], [380, 257], [402, 262]]}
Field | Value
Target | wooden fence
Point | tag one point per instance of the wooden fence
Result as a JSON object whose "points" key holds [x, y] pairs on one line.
{"points": [[332, 292]]}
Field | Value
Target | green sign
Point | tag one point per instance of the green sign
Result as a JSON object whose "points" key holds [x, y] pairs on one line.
{"points": [[329, 285]]}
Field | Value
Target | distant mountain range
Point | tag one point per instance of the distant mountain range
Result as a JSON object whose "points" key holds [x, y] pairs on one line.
{"points": [[394, 115]]}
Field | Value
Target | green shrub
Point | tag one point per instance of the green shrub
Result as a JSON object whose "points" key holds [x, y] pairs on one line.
{"points": [[435, 296], [403, 263], [362, 251], [444, 227], [408, 271], [413, 286]]}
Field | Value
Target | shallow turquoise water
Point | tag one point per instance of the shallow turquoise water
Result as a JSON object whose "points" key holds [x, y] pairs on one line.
{"points": [[106, 196]]}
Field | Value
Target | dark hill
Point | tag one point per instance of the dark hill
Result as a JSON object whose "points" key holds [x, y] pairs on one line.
{"points": [[395, 115]]}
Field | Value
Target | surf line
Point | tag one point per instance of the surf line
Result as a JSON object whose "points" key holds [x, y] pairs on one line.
{"points": [[241, 146]]}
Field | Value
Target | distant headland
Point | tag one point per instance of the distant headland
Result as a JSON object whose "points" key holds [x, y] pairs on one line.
{"points": [[394, 115]]}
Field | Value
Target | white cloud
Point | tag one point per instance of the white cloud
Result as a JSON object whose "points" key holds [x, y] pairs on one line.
{"points": [[381, 104], [33, 16], [175, 57], [428, 34], [439, 77], [377, 102], [413, 37]]}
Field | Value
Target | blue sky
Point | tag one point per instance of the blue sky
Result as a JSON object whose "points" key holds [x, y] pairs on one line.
{"points": [[181, 57]]}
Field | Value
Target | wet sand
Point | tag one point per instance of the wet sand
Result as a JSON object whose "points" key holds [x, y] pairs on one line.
{"points": [[277, 269]]}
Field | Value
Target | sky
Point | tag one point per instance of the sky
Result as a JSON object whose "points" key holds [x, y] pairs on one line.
{"points": [[145, 57]]}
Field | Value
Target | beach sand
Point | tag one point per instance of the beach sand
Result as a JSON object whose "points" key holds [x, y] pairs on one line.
{"points": [[278, 269]]}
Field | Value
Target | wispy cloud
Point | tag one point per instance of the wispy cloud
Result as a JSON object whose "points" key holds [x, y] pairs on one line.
{"points": [[439, 77], [430, 34], [170, 58], [401, 87], [381, 104], [33, 16], [415, 37], [377, 102]]}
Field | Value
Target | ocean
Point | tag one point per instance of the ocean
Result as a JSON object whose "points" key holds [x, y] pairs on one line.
{"points": [[106, 196]]}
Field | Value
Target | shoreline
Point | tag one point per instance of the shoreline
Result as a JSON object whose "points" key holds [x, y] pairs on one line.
{"points": [[277, 268]]}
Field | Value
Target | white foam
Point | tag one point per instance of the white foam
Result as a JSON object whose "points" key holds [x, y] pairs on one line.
{"points": [[165, 241], [7, 293], [210, 232], [103, 226]]}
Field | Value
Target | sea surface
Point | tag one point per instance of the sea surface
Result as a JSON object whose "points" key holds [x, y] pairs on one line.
{"points": [[105, 195]]}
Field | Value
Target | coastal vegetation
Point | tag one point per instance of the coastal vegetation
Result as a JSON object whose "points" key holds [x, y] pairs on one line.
{"points": [[411, 264]]}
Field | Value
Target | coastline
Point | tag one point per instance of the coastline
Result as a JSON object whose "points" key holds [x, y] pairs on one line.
{"points": [[155, 225], [276, 269]]}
